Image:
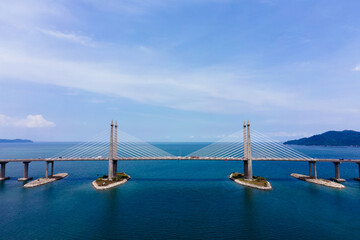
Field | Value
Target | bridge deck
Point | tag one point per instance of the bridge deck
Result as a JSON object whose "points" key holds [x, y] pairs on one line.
{"points": [[178, 158]]}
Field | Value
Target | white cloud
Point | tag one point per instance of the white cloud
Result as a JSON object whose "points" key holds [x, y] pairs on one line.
{"points": [[83, 40], [31, 121], [209, 89], [357, 68], [283, 134], [141, 73]]}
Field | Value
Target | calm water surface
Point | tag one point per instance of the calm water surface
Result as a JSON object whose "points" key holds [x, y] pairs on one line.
{"points": [[178, 199]]}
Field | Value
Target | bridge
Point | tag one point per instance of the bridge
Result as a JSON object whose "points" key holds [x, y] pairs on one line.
{"points": [[114, 146]]}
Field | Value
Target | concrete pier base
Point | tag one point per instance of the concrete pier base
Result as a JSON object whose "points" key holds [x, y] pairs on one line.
{"points": [[246, 168], [115, 168], [42, 181], [111, 169], [24, 179], [318, 181], [2, 172], [251, 183], [47, 169], [337, 173], [338, 179], [104, 184], [26, 173], [311, 175]]}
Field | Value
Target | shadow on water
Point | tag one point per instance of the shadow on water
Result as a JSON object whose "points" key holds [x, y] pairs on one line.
{"points": [[180, 179], [111, 216], [249, 212], [285, 179]]}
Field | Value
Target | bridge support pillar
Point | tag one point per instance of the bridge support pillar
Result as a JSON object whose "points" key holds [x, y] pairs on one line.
{"points": [[248, 173], [52, 168], [310, 173], [26, 173], [115, 168], [47, 169], [115, 150], [2, 171], [358, 178], [111, 169], [337, 173], [111, 152], [248, 170]]}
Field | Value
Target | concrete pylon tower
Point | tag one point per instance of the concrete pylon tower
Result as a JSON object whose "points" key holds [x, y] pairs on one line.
{"points": [[111, 162], [245, 141], [115, 151], [248, 141], [248, 162], [245, 151]]}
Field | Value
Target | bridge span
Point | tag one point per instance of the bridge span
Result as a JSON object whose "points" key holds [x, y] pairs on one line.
{"points": [[184, 158], [240, 146]]}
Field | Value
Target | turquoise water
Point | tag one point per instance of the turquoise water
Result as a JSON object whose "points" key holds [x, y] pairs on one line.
{"points": [[178, 199]]}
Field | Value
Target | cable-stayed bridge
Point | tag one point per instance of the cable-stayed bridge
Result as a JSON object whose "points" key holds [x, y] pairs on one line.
{"points": [[116, 145]]}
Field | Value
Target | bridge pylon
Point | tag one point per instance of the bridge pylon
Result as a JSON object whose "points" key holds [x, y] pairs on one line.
{"points": [[111, 152], [248, 173], [115, 150]]}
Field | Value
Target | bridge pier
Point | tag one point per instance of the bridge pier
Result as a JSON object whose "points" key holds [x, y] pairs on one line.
{"points": [[2, 172], [111, 152], [246, 166], [248, 173], [358, 178], [115, 167], [310, 173], [248, 162], [26, 173], [248, 170], [47, 169], [115, 151], [337, 173]]}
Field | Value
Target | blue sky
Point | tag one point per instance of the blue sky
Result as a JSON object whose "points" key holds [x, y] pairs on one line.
{"points": [[186, 70]]}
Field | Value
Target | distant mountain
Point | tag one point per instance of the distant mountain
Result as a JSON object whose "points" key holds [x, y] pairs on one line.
{"points": [[330, 138], [15, 141]]}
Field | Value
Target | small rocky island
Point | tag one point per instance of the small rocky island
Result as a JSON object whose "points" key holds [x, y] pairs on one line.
{"points": [[15, 141], [330, 138], [257, 182], [103, 183]]}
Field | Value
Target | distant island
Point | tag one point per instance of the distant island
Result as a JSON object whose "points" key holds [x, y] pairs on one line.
{"points": [[330, 138], [15, 141]]}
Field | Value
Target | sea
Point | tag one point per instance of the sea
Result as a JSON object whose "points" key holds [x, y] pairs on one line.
{"points": [[178, 199]]}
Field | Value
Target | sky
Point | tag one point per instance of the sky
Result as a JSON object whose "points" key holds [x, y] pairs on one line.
{"points": [[178, 70]]}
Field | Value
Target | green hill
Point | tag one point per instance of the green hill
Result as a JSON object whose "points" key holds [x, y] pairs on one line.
{"points": [[330, 138]]}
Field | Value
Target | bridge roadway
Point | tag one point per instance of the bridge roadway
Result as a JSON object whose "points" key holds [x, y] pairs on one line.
{"points": [[178, 158], [50, 161]]}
